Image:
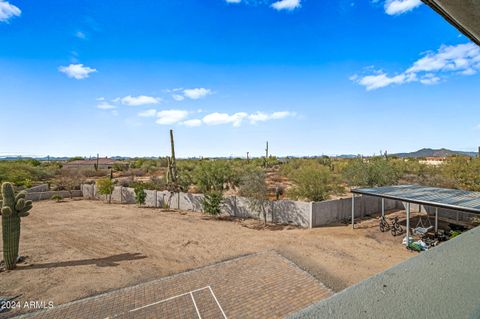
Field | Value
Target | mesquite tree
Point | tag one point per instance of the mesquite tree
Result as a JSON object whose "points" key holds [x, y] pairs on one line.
{"points": [[13, 207]]}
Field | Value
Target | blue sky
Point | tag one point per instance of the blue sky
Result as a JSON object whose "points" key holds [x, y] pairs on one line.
{"points": [[311, 77]]}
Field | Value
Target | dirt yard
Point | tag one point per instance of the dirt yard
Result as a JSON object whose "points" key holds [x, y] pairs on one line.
{"points": [[80, 248]]}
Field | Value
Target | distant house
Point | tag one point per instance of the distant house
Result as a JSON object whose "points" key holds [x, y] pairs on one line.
{"points": [[103, 163], [435, 161]]}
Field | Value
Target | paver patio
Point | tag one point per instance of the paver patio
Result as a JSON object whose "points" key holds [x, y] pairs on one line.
{"points": [[262, 285]]}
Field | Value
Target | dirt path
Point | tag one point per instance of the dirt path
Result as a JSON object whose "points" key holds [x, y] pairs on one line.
{"points": [[80, 248]]}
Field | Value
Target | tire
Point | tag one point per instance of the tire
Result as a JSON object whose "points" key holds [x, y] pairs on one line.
{"points": [[393, 231], [382, 227]]}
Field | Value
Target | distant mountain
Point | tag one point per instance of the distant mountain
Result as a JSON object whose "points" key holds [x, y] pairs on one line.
{"points": [[428, 152]]}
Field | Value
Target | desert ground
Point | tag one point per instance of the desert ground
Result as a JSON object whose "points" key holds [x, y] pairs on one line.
{"points": [[78, 248]]}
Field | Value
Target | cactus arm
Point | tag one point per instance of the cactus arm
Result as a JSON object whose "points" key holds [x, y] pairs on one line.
{"points": [[24, 211], [20, 204], [6, 211], [20, 195]]}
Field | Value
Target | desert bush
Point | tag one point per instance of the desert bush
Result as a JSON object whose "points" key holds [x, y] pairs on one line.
{"points": [[213, 176], [212, 203], [56, 197], [375, 171], [313, 182], [105, 187], [463, 172], [140, 194]]}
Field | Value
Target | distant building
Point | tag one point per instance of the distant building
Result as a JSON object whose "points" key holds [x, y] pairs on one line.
{"points": [[103, 163], [435, 161]]}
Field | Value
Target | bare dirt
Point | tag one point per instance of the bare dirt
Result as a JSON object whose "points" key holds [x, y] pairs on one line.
{"points": [[80, 248]]}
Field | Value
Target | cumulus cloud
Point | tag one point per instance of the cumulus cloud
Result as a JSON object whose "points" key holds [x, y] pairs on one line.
{"points": [[139, 100], [263, 117], [148, 113], [192, 123], [196, 93], [77, 71], [395, 7], [105, 106], [224, 118], [8, 11], [461, 59], [286, 5], [167, 117]]}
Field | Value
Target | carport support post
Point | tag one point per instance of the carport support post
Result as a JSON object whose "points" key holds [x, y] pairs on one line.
{"points": [[353, 211], [436, 220], [408, 224], [383, 207]]}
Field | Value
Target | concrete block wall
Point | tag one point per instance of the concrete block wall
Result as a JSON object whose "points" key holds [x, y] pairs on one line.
{"points": [[304, 214], [283, 211], [48, 195], [38, 188]]}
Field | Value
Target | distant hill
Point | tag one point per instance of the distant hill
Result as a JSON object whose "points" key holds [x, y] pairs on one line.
{"points": [[429, 152]]}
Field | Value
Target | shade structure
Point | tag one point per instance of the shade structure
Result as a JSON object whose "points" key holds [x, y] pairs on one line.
{"points": [[430, 196]]}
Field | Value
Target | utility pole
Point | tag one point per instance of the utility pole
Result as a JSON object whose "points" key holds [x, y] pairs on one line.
{"points": [[96, 165]]}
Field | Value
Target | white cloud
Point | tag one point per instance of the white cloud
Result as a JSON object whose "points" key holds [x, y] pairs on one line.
{"points": [[394, 7], [8, 11], [286, 4], [80, 35], [139, 100], [77, 71], [167, 117], [196, 93], [263, 117], [224, 118], [106, 106], [429, 79], [233, 1], [449, 58], [463, 59], [192, 123], [148, 113], [178, 97]]}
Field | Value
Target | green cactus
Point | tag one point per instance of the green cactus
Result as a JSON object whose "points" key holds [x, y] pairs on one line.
{"points": [[13, 207]]}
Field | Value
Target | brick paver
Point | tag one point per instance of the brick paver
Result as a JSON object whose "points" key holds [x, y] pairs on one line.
{"points": [[262, 285]]}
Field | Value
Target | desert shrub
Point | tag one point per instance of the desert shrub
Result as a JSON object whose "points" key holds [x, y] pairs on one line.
{"points": [[212, 203], [255, 189], [105, 187], [462, 172], [56, 197], [213, 176], [314, 182], [375, 171], [140, 194], [23, 172]]}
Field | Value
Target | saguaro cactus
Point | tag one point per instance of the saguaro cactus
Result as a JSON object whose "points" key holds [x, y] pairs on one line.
{"points": [[12, 209]]}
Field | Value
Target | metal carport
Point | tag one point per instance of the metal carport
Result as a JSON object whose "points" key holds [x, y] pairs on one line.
{"points": [[429, 196]]}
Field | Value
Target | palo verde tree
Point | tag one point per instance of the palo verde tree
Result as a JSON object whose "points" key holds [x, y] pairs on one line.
{"points": [[212, 178], [255, 189], [105, 187], [314, 182], [140, 194], [13, 208]]}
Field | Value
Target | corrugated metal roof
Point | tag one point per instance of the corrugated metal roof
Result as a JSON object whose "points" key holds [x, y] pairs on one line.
{"points": [[462, 14], [430, 196]]}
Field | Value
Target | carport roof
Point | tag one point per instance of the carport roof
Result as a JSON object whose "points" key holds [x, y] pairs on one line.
{"points": [[462, 14], [430, 196]]}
